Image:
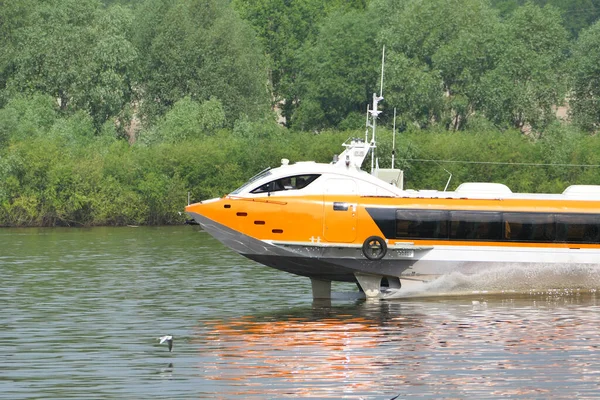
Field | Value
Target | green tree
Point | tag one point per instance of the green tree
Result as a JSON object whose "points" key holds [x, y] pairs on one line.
{"points": [[201, 49], [76, 51], [122, 2], [26, 117], [340, 71], [528, 78], [283, 27], [506, 7], [444, 47], [13, 16], [413, 89], [585, 84], [528, 75], [576, 14], [189, 119]]}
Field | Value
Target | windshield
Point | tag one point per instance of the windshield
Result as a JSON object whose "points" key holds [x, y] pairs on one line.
{"points": [[286, 183], [260, 175]]}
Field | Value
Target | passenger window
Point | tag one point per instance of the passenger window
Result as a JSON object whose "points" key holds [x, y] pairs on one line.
{"points": [[578, 228], [465, 225], [529, 227], [418, 224], [495, 226]]}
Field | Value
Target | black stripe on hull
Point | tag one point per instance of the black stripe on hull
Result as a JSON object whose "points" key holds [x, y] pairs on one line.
{"points": [[385, 218]]}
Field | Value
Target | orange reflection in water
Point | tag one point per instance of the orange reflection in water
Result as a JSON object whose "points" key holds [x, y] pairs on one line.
{"points": [[302, 352], [460, 347]]}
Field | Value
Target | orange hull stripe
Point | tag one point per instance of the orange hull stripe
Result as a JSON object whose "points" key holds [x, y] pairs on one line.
{"points": [[300, 218]]}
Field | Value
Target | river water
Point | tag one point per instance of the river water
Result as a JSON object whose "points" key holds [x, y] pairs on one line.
{"points": [[82, 310]]}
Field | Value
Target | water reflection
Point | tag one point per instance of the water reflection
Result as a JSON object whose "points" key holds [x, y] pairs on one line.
{"points": [[166, 372], [526, 345], [317, 352]]}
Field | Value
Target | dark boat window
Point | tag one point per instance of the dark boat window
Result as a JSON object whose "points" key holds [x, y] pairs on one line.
{"points": [[302, 181], [578, 228], [422, 224], [295, 182], [473, 225], [489, 226], [529, 227]]}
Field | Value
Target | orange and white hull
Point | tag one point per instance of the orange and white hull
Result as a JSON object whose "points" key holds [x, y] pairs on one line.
{"points": [[327, 237]]}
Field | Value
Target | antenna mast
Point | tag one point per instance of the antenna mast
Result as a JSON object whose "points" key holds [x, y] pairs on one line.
{"points": [[394, 139], [374, 113], [382, 65]]}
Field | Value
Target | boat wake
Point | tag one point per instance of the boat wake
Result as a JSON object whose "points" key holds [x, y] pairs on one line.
{"points": [[537, 278]]}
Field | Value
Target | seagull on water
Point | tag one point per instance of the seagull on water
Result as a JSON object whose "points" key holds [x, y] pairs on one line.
{"points": [[169, 340]]}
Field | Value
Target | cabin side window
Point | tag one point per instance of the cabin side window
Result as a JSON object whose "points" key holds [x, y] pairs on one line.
{"points": [[496, 226], [529, 227], [422, 224], [574, 228], [295, 182], [471, 225]]}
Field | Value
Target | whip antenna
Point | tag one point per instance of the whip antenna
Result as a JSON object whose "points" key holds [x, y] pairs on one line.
{"points": [[374, 112], [394, 139], [382, 64]]}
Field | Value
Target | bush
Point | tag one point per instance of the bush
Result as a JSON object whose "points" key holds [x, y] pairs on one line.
{"points": [[70, 177], [27, 116]]}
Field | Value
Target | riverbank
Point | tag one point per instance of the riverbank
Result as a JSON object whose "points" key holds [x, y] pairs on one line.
{"points": [[50, 181]]}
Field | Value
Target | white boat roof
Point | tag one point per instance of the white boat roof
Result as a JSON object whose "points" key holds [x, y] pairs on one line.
{"points": [[488, 190], [471, 190], [485, 190]]}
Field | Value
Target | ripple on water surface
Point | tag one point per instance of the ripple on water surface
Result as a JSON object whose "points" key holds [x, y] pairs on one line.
{"points": [[83, 310]]}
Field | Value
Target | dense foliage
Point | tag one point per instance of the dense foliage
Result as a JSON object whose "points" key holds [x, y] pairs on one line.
{"points": [[115, 111]]}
